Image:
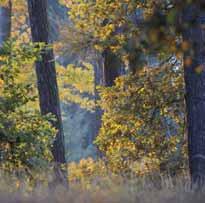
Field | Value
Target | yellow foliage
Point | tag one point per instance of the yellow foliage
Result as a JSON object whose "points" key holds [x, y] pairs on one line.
{"points": [[86, 171], [143, 122], [76, 84]]}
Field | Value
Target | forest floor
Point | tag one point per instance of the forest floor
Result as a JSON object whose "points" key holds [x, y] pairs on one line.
{"points": [[168, 191]]}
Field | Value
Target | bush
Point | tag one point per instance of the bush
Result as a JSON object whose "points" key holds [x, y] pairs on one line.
{"points": [[143, 122], [26, 137]]}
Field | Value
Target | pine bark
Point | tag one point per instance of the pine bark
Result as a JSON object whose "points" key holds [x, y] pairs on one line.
{"points": [[193, 22], [46, 73]]}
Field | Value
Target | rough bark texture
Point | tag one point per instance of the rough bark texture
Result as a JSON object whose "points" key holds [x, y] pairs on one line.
{"points": [[5, 23], [193, 20], [46, 74]]}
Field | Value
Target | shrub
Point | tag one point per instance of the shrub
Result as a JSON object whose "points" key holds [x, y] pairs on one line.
{"points": [[143, 122], [26, 137]]}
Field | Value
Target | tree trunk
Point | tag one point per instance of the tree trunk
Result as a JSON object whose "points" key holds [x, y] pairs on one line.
{"points": [[111, 69], [5, 23], [193, 20], [107, 69], [46, 74]]}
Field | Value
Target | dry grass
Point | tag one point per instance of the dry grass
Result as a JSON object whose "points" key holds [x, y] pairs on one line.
{"points": [[111, 190]]}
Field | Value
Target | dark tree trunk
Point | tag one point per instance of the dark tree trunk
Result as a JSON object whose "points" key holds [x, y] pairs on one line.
{"points": [[193, 21], [133, 64], [5, 23], [111, 69], [46, 73], [107, 68]]}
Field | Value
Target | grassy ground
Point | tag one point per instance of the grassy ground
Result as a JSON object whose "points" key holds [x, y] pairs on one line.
{"points": [[111, 190]]}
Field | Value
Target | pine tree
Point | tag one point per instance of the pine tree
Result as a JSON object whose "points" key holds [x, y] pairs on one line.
{"points": [[46, 75], [194, 62]]}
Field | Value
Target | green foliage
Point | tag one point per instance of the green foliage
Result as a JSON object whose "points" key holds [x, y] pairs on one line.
{"points": [[26, 137], [143, 122]]}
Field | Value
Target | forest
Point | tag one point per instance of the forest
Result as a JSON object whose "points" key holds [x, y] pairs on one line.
{"points": [[102, 101]]}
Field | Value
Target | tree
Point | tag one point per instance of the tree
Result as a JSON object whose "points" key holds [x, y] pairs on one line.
{"points": [[5, 22], [143, 122], [46, 73], [158, 35], [111, 68], [194, 64]]}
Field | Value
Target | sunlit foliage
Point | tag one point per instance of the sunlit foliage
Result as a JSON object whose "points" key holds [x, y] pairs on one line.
{"points": [[129, 28], [86, 171], [143, 122], [26, 137], [77, 84]]}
